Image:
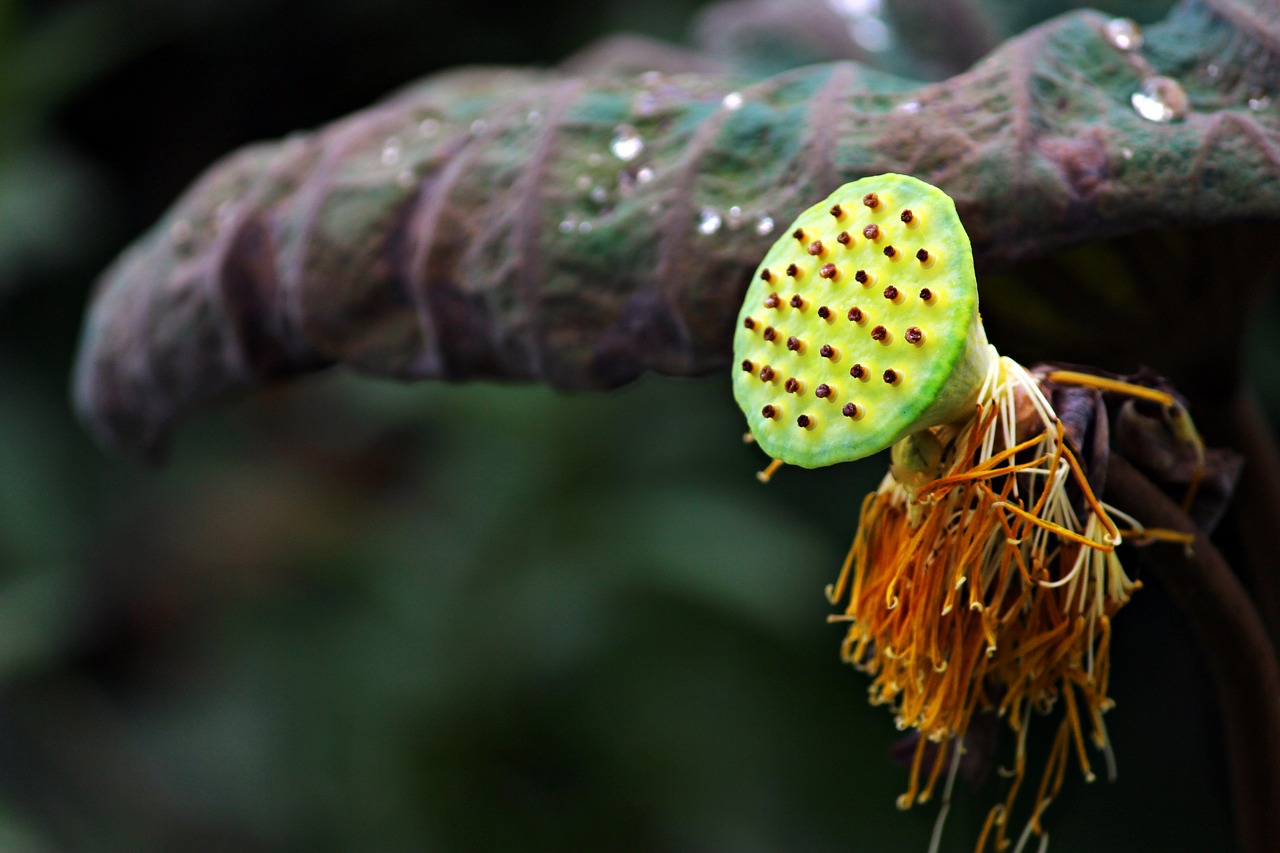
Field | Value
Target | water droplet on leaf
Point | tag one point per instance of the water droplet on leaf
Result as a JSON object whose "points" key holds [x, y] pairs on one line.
{"points": [[1124, 34], [708, 221], [391, 152], [626, 144], [1161, 99], [732, 101], [764, 225]]}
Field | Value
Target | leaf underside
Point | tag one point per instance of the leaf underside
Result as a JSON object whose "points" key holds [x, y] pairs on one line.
{"points": [[581, 230]]}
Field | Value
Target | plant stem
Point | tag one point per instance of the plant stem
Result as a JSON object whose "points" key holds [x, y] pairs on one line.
{"points": [[1234, 641], [1257, 505]]}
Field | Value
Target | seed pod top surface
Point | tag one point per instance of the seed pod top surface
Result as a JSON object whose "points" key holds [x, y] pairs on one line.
{"points": [[900, 340]]}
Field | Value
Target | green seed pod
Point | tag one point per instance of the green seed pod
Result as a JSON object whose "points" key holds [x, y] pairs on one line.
{"points": [[861, 325]]}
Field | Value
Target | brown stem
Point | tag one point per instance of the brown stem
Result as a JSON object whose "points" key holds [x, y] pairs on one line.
{"points": [[1257, 505], [1236, 644]]}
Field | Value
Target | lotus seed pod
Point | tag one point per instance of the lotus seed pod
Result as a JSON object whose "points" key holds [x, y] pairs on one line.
{"points": [[901, 338]]}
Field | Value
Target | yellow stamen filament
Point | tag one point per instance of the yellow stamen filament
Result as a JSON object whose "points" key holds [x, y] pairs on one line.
{"points": [[991, 590], [767, 474], [1071, 377]]}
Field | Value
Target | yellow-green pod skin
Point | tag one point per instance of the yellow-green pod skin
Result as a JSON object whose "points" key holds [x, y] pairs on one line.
{"points": [[794, 368]]}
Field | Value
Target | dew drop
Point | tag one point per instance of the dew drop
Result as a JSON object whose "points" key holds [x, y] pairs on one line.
{"points": [[1124, 34], [568, 225], [626, 144], [533, 118], [1161, 99], [735, 217], [428, 127], [582, 182], [732, 101], [708, 221], [585, 226], [908, 107], [479, 126], [391, 152], [1259, 103], [599, 194], [1212, 71], [644, 176], [764, 225]]}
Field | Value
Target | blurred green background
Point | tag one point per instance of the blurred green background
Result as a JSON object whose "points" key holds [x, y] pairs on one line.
{"points": [[354, 615]]}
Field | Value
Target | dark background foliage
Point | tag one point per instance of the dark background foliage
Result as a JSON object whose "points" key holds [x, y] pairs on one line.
{"points": [[356, 615]]}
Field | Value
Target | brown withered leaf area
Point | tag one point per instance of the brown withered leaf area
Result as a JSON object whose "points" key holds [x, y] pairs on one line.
{"points": [[483, 223]]}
